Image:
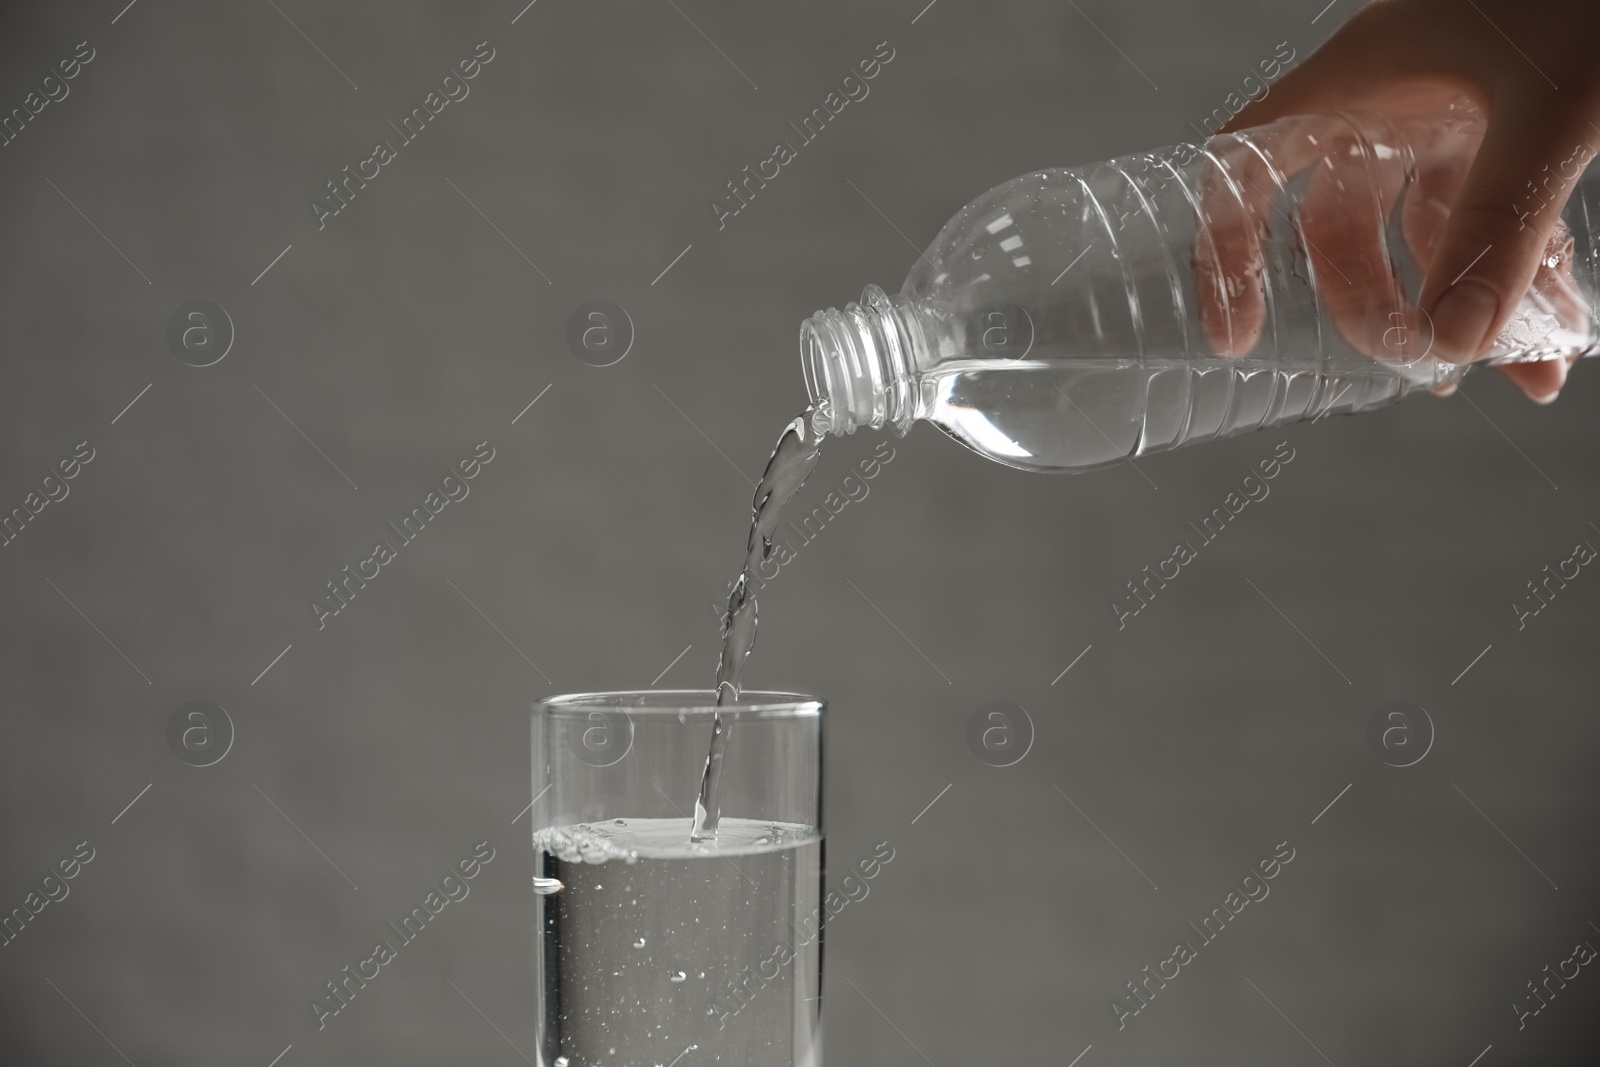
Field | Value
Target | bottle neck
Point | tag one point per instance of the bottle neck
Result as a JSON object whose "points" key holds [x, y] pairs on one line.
{"points": [[861, 363]]}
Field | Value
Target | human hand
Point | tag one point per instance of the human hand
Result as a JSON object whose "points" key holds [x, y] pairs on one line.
{"points": [[1527, 67]]}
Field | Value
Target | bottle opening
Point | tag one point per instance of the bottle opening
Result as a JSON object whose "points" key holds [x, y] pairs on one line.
{"points": [[859, 363]]}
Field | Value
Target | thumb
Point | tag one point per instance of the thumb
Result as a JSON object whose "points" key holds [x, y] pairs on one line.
{"points": [[1529, 161]]}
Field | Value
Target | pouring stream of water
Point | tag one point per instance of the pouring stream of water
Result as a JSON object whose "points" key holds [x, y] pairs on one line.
{"points": [[792, 462]]}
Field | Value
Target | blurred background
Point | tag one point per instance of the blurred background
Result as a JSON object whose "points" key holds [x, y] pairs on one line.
{"points": [[362, 360]]}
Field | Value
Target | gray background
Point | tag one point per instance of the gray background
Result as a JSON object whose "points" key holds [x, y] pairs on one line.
{"points": [[396, 738]]}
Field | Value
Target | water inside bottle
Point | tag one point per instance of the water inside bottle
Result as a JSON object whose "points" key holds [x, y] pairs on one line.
{"points": [[1050, 414]]}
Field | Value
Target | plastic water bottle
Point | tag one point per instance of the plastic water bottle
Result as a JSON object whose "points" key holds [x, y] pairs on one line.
{"points": [[1073, 317]]}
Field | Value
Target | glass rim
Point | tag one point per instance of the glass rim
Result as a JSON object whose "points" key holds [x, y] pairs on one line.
{"points": [[692, 703]]}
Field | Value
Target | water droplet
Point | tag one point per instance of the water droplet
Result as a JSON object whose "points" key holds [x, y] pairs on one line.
{"points": [[678, 977], [562, 1061], [639, 943], [545, 886], [702, 974]]}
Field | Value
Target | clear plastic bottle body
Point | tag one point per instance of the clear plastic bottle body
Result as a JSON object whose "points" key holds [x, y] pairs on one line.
{"points": [[1073, 317]]}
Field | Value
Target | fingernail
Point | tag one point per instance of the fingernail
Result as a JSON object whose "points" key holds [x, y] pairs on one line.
{"points": [[1551, 399], [1461, 318]]}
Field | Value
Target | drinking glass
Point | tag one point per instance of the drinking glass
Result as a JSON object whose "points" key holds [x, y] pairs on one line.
{"points": [[655, 950]]}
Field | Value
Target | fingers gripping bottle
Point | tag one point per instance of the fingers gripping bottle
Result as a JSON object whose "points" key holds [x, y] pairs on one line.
{"points": [[1073, 317]]}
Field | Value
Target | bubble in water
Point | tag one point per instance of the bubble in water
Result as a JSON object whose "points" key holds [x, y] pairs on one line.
{"points": [[561, 1061], [545, 886], [639, 943], [678, 976], [619, 822], [582, 843]]}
